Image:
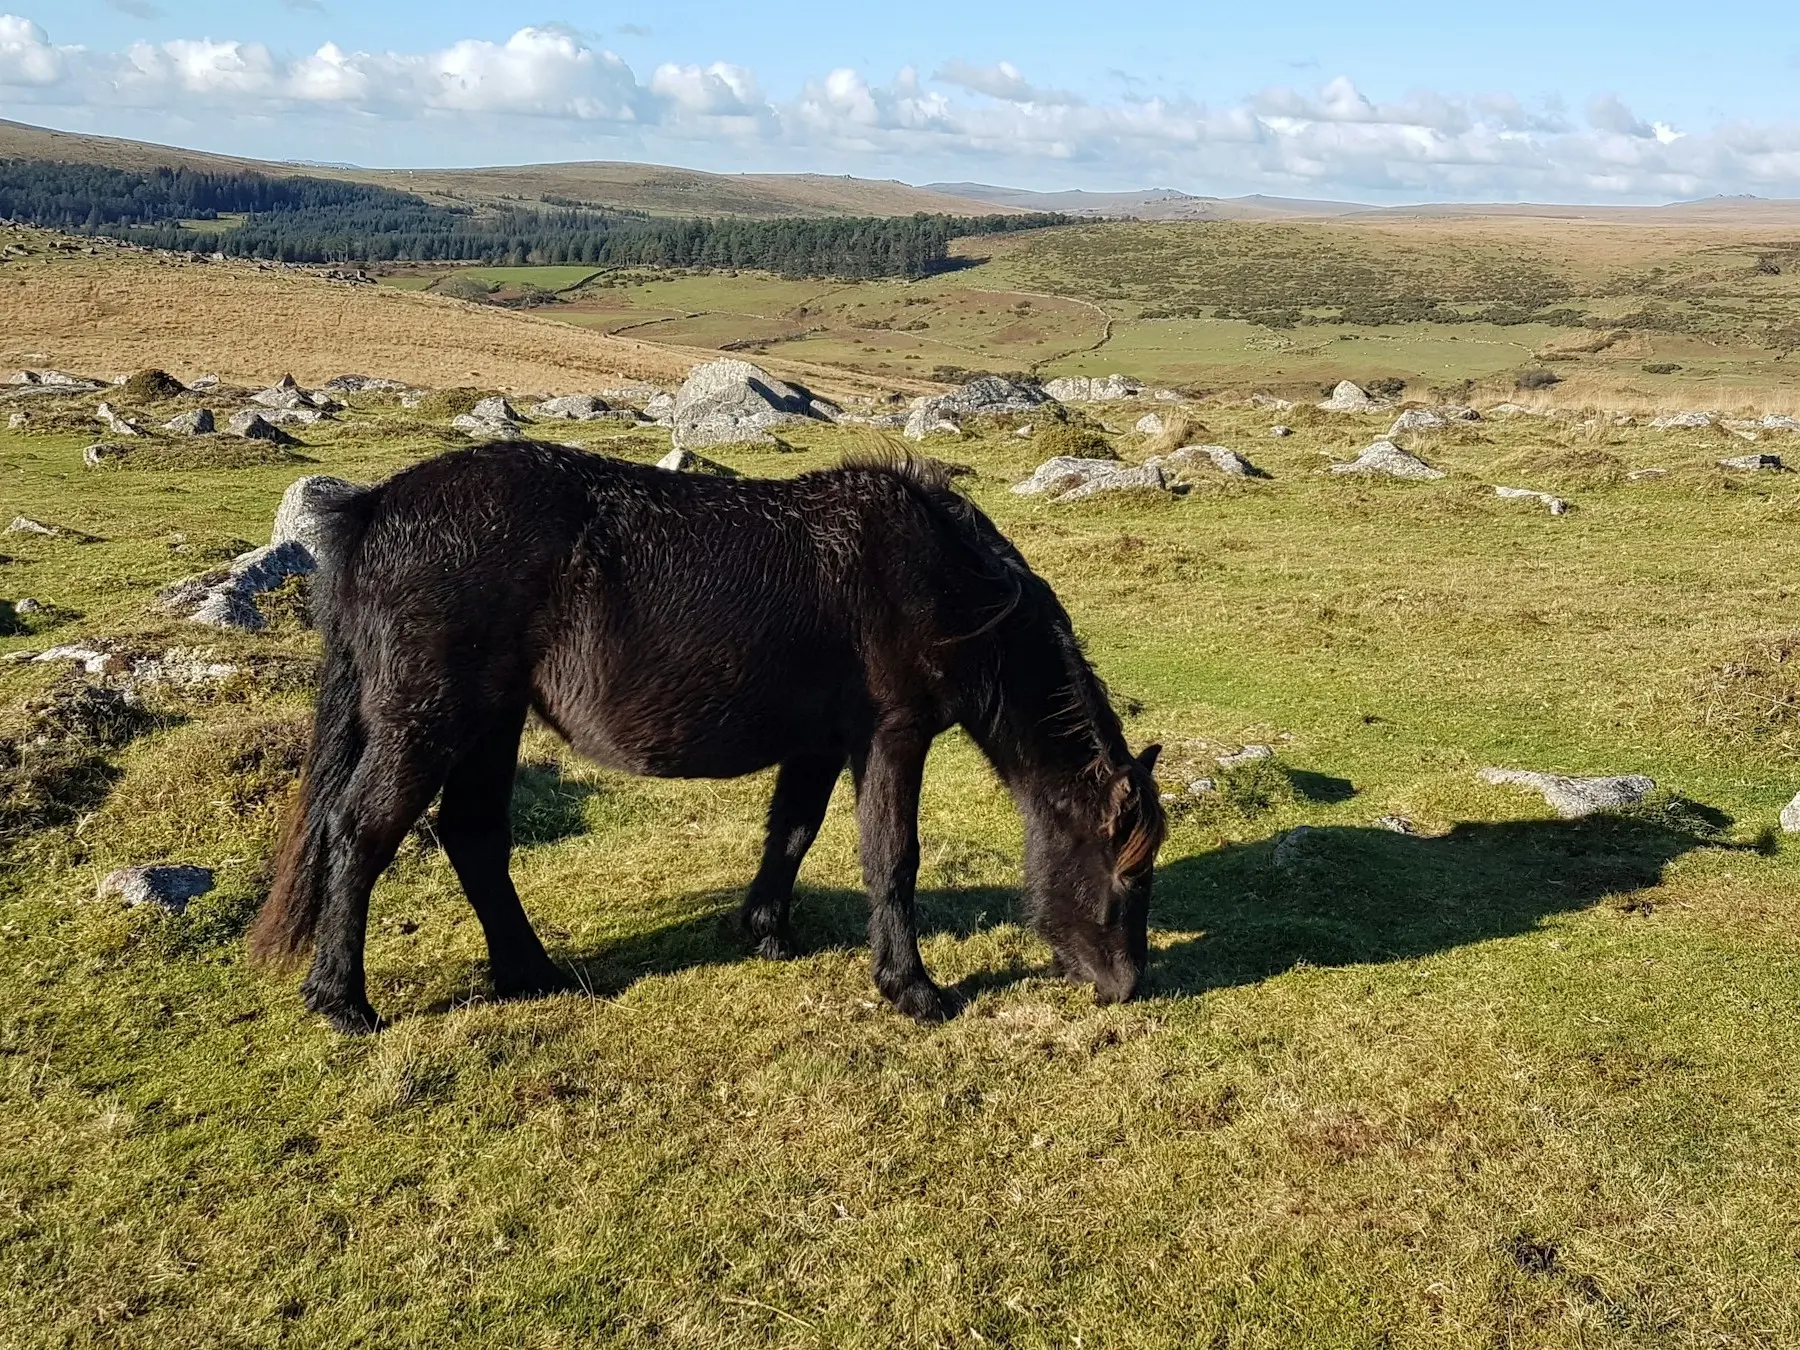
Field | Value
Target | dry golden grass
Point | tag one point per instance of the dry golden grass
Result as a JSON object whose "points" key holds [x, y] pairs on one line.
{"points": [[121, 311]]}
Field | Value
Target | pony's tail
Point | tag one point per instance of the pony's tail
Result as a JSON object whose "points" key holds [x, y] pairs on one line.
{"points": [[283, 930]]}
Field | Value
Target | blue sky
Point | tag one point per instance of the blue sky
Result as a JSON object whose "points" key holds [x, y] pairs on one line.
{"points": [[1397, 101]]}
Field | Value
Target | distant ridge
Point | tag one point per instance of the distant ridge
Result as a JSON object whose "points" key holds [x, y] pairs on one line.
{"points": [[1151, 204]]}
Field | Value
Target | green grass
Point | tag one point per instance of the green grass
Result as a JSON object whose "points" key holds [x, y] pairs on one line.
{"points": [[1514, 1081]]}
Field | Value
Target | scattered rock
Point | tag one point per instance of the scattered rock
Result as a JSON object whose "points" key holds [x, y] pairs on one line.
{"points": [[1639, 475], [573, 408], [926, 420], [987, 395], [1418, 419], [1067, 478], [1222, 458], [1751, 462], [660, 408], [1292, 849], [1572, 798], [363, 384], [733, 402], [1093, 389], [1351, 398], [253, 426], [166, 886], [104, 452], [200, 382], [1387, 458], [226, 597], [1248, 755], [26, 525], [1270, 403], [284, 393], [1396, 824], [1790, 816], [1281, 432], [1151, 424], [1780, 422], [116, 424], [1023, 432], [1687, 421], [54, 379], [1556, 505], [299, 519], [198, 422], [17, 421], [291, 417], [686, 461]]}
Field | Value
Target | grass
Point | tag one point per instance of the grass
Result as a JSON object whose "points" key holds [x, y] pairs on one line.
{"points": [[1509, 1080]]}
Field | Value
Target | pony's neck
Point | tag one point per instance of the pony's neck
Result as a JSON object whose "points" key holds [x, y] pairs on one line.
{"points": [[1055, 727]]}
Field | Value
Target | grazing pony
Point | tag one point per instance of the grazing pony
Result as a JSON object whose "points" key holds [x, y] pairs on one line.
{"points": [[688, 626]]}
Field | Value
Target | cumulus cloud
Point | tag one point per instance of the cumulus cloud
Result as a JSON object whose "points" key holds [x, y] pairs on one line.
{"points": [[964, 120]]}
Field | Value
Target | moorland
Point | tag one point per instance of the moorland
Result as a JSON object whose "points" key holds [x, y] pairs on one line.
{"points": [[1419, 1061]]}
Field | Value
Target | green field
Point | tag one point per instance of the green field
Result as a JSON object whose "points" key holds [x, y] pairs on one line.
{"points": [[1283, 307], [1507, 1080]]}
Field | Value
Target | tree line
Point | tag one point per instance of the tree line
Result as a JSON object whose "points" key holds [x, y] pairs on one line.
{"points": [[320, 220]]}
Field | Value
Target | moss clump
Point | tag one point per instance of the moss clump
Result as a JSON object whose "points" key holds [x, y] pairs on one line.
{"points": [[1073, 441], [153, 386]]}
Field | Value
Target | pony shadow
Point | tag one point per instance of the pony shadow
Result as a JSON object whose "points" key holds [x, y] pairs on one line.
{"points": [[1320, 896]]}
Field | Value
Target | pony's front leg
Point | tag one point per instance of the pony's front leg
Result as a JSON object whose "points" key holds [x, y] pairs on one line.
{"points": [[887, 815], [802, 792]]}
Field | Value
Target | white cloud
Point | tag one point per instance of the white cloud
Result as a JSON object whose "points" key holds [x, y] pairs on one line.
{"points": [[966, 121]]}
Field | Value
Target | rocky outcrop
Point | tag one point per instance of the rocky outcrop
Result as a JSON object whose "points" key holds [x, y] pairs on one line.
{"points": [[197, 422], [363, 384], [1067, 479], [1751, 462], [1384, 457], [253, 426], [226, 597], [1687, 421], [1572, 798], [300, 519], [116, 424], [985, 396], [492, 417], [1093, 389], [574, 408], [1349, 397], [732, 402], [1222, 458]]}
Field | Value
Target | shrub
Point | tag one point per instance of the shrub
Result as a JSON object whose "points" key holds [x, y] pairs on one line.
{"points": [[1751, 701], [1660, 368], [1388, 386], [1538, 379], [465, 288], [1077, 442], [153, 386]]}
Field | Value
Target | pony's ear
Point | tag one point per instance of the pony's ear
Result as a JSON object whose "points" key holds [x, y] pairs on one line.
{"points": [[1147, 760]]}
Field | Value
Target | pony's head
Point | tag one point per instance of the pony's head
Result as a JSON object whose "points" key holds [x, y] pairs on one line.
{"points": [[1089, 861]]}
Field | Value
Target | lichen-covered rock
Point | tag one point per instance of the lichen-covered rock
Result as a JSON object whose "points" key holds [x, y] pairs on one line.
{"points": [[1093, 389], [987, 395], [1790, 816], [195, 422], [1226, 460], [1687, 421], [732, 402], [1349, 397], [1062, 473], [1751, 462], [1572, 798], [165, 886], [115, 423], [1384, 457], [1151, 424], [226, 597], [1281, 433], [253, 426], [572, 408], [1418, 419], [1250, 754], [363, 384], [300, 517]]}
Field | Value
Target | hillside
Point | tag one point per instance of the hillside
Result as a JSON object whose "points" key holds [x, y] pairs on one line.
{"points": [[112, 311], [654, 188], [1154, 204]]}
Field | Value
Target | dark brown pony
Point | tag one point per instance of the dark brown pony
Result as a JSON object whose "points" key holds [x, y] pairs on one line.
{"points": [[686, 626]]}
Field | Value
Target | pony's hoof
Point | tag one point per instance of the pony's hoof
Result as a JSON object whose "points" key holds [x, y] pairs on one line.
{"points": [[925, 1002], [551, 979], [776, 947], [349, 1019]]}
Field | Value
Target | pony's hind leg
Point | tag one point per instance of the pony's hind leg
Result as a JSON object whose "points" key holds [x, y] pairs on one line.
{"points": [[393, 783], [802, 792], [474, 823], [887, 815]]}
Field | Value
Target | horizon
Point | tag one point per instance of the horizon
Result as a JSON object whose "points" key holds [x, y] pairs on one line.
{"points": [[1639, 105]]}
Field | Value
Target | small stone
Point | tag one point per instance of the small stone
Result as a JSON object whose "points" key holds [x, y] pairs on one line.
{"points": [[1557, 506], [1270, 403], [17, 421], [1201, 786], [1640, 475], [253, 426], [1417, 419], [116, 424], [1572, 798], [204, 382], [1291, 849], [1024, 432], [1281, 432], [1250, 754], [1752, 462], [572, 408], [1384, 457], [686, 461], [26, 525], [1790, 815], [167, 886], [1396, 824], [103, 452], [1151, 424], [197, 422], [1687, 421]]}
